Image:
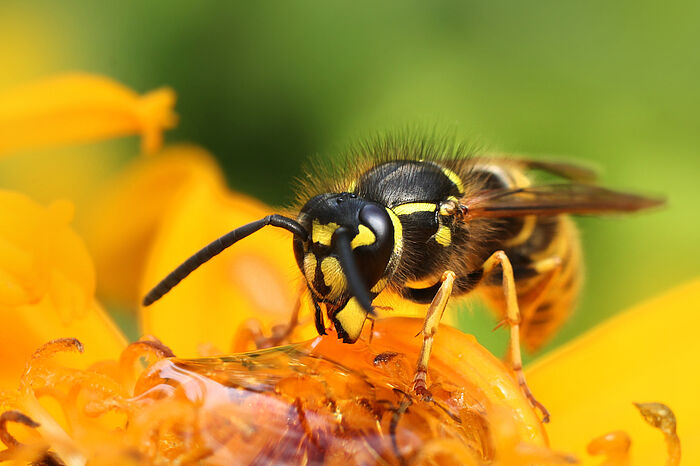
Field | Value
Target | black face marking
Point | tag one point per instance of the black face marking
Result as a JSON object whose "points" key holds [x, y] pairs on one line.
{"points": [[404, 181], [342, 333], [318, 319], [319, 283]]}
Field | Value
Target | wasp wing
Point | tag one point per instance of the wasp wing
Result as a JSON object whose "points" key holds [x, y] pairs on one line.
{"points": [[573, 171], [553, 199], [569, 170]]}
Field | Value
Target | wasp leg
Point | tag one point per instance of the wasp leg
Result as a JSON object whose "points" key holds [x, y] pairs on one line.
{"points": [[251, 330], [550, 270], [430, 326], [513, 320], [282, 332]]}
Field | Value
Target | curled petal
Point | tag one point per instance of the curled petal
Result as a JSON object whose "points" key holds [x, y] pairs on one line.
{"points": [[150, 349], [37, 453], [13, 416], [53, 347], [81, 107]]}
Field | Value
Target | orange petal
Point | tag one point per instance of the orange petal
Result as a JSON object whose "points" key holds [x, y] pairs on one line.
{"points": [[124, 220], [644, 355], [81, 107], [47, 285], [257, 278]]}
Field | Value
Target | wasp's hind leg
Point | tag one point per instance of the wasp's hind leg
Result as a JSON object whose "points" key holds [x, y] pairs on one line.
{"points": [[513, 320], [430, 326]]}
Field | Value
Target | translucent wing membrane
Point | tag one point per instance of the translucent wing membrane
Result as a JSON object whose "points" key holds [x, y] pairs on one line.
{"points": [[565, 198], [570, 170]]}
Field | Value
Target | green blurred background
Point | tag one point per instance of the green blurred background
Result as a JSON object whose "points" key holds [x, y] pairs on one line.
{"points": [[264, 85]]}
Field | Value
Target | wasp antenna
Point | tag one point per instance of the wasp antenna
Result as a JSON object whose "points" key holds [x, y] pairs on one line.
{"points": [[347, 262], [218, 245]]}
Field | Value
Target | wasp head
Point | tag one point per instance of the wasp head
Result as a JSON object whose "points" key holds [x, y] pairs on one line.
{"points": [[350, 252]]}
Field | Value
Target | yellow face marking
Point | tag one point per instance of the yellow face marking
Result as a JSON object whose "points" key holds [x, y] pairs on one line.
{"points": [[351, 319], [365, 237], [444, 236], [454, 178], [413, 207], [398, 231], [310, 268], [333, 277], [322, 233]]}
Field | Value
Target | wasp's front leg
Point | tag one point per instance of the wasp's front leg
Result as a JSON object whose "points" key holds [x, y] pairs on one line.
{"points": [[430, 326], [251, 330]]}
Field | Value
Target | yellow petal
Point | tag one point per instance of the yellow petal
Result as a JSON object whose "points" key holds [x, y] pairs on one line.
{"points": [[126, 217], [47, 285], [256, 278], [647, 354], [79, 108]]}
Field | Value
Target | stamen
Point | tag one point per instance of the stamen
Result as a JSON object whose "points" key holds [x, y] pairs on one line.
{"points": [[660, 416]]}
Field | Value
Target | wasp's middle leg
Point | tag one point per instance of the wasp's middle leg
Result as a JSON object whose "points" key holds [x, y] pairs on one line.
{"points": [[513, 320]]}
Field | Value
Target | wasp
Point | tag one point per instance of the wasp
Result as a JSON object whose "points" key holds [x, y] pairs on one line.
{"points": [[426, 219]]}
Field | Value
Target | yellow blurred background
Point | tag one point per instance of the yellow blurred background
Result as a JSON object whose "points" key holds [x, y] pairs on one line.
{"points": [[265, 85]]}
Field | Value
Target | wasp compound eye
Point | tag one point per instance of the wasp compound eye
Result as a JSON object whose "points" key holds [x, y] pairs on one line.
{"points": [[377, 220], [374, 243]]}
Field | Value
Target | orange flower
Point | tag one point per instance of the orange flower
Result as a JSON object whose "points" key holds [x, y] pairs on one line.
{"points": [[318, 400]]}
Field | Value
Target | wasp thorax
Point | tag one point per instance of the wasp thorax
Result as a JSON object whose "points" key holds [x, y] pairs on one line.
{"points": [[370, 231]]}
